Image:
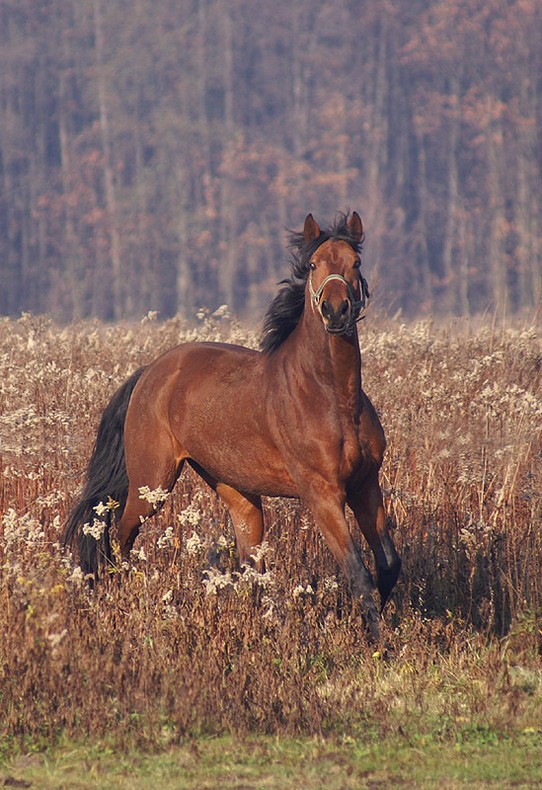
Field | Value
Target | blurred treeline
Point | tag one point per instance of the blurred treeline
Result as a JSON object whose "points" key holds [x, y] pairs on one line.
{"points": [[152, 152]]}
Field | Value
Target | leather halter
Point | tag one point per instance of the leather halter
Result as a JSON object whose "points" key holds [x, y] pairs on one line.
{"points": [[356, 305]]}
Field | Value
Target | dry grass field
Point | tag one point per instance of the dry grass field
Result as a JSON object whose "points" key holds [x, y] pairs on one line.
{"points": [[181, 647]]}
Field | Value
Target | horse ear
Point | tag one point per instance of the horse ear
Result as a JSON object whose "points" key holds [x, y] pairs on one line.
{"points": [[311, 229], [356, 226]]}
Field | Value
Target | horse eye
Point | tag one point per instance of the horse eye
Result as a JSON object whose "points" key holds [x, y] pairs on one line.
{"points": [[357, 264], [312, 266]]}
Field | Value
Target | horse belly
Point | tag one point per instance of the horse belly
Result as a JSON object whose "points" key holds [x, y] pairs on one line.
{"points": [[244, 462]]}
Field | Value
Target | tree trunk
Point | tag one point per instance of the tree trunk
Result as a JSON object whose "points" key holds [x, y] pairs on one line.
{"points": [[449, 251], [496, 215], [109, 181], [527, 210], [227, 268]]}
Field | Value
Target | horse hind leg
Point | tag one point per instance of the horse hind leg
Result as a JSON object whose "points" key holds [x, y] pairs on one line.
{"points": [[247, 517], [155, 467]]}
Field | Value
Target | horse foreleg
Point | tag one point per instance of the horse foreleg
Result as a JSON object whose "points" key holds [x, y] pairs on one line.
{"points": [[246, 514], [327, 507], [367, 506]]}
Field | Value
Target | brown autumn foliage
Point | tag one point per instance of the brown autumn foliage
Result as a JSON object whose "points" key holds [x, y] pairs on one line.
{"points": [[183, 643], [152, 153]]}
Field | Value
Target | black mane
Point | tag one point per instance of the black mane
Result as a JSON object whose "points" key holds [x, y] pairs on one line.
{"points": [[286, 309]]}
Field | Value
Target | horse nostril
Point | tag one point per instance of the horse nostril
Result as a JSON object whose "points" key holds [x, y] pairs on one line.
{"points": [[344, 307], [326, 309]]}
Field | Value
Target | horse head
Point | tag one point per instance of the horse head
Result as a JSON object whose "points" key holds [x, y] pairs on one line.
{"points": [[336, 287]]}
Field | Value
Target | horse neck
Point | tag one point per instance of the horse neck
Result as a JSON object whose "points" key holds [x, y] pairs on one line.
{"points": [[333, 360]]}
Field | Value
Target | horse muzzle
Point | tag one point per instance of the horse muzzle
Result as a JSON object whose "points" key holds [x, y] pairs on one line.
{"points": [[337, 318]]}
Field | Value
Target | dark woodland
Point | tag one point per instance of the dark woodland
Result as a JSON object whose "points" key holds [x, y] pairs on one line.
{"points": [[154, 152]]}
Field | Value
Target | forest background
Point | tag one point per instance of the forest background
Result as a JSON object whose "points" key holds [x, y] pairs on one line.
{"points": [[153, 153]]}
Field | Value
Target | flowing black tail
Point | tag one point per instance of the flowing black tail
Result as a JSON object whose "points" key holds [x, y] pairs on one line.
{"points": [[106, 481]]}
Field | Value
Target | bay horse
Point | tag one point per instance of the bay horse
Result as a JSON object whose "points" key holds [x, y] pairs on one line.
{"points": [[290, 420]]}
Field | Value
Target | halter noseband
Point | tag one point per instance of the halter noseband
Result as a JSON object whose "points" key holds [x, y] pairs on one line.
{"points": [[356, 305]]}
